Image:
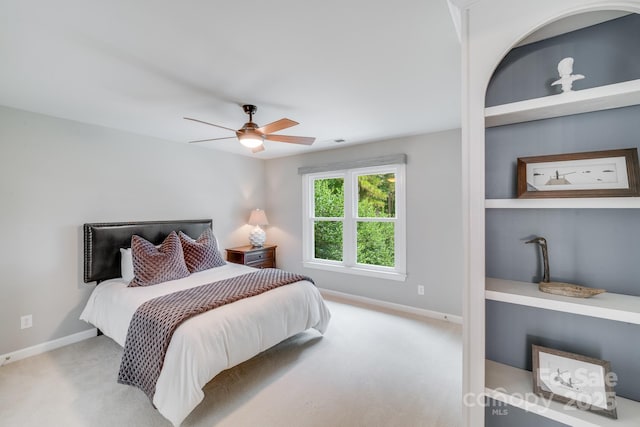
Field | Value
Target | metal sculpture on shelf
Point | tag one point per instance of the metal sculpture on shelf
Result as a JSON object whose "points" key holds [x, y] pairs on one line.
{"points": [[560, 288], [565, 68]]}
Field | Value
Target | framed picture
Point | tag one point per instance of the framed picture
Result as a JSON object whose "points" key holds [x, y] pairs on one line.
{"points": [[576, 380], [612, 173]]}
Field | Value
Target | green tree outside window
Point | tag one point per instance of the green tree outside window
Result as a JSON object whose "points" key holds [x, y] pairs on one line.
{"points": [[375, 239]]}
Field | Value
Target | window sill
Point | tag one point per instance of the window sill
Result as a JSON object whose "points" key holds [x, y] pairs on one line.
{"points": [[359, 271]]}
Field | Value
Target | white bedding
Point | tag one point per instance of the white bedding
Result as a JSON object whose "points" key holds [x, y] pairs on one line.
{"points": [[211, 342]]}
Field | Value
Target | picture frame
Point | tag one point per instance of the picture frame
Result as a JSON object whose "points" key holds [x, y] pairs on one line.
{"points": [[576, 380], [610, 173]]}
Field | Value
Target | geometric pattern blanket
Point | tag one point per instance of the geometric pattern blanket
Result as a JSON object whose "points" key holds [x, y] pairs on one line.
{"points": [[154, 322]]}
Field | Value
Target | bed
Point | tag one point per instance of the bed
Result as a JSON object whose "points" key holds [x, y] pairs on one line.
{"points": [[208, 343]]}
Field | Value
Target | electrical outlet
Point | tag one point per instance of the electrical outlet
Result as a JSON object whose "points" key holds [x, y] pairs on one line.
{"points": [[26, 321], [420, 290]]}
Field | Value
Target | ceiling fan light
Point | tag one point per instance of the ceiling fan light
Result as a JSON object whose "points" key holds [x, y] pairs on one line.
{"points": [[250, 140]]}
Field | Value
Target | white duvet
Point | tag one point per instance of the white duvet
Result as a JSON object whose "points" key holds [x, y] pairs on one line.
{"points": [[211, 342]]}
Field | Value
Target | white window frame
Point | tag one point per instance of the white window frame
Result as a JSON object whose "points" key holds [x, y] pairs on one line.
{"points": [[349, 229]]}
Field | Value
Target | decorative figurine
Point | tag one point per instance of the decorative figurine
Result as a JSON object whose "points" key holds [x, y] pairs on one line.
{"points": [[560, 288], [565, 68]]}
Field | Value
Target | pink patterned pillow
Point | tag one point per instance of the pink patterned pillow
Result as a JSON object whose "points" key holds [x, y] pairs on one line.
{"points": [[153, 265], [201, 254]]}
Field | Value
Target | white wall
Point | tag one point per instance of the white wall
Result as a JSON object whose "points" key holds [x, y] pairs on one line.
{"points": [[57, 174], [434, 235]]}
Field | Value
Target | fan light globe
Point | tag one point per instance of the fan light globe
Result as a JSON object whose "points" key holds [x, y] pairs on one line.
{"points": [[250, 140]]}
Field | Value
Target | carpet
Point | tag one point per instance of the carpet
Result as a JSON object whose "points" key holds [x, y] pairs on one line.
{"points": [[371, 368]]}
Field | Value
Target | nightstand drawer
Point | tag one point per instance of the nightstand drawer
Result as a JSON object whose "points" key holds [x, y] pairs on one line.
{"points": [[264, 257], [258, 256]]}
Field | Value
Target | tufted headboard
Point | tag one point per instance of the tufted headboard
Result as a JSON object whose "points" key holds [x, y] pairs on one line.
{"points": [[102, 242]]}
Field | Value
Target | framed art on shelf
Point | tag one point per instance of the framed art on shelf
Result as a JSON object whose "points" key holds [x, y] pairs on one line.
{"points": [[575, 380], [611, 173]]}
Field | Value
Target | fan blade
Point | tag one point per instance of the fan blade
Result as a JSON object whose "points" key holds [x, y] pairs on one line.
{"points": [[257, 149], [210, 124], [276, 126], [306, 140], [212, 139]]}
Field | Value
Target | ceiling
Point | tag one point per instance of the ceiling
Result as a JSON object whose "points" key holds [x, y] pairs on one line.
{"points": [[355, 70]]}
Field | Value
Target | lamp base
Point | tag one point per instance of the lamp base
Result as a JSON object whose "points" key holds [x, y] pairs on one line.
{"points": [[257, 237]]}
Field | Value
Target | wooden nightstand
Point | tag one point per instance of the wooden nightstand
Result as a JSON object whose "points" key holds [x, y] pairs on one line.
{"points": [[264, 257]]}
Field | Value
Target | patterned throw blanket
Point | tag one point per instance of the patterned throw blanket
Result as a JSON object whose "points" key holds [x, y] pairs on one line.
{"points": [[155, 321]]}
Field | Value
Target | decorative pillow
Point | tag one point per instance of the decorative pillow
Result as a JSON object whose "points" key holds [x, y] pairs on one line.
{"points": [[126, 264], [153, 265], [201, 254]]}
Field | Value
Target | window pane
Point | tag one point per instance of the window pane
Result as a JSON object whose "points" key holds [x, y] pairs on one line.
{"points": [[376, 243], [328, 197], [377, 196], [328, 240]]}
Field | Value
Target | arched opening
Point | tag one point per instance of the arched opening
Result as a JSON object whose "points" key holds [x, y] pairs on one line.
{"points": [[603, 44]]}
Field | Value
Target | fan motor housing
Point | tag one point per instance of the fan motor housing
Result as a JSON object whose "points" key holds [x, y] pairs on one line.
{"points": [[250, 126]]}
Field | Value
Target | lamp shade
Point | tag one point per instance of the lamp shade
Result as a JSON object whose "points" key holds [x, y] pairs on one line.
{"points": [[258, 217]]}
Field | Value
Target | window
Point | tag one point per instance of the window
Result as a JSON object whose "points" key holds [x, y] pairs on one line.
{"points": [[354, 221]]}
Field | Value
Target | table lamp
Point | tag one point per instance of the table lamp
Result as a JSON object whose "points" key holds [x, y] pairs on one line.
{"points": [[257, 236]]}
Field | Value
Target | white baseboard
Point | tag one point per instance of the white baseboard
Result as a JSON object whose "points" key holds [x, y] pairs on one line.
{"points": [[391, 306], [46, 346]]}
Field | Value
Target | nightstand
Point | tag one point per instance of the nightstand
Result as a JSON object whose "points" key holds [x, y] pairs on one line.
{"points": [[263, 257]]}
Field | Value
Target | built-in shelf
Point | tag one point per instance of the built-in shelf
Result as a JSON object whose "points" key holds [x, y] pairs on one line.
{"points": [[515, 386], [568, 203], [622, 308], [581, 101]]}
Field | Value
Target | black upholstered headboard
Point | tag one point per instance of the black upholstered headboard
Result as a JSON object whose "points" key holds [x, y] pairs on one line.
{"points": [[102, 242]]}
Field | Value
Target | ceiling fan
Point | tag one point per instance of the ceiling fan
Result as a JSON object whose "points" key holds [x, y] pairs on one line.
{"points": [[252, 136]]}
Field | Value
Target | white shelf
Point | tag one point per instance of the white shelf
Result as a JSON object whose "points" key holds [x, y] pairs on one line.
{"points": [[582, 101], [515, 387], [568, 203], [622, 308]]}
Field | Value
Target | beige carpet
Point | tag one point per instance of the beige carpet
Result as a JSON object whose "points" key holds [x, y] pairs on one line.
{"points": [[371, 368]]}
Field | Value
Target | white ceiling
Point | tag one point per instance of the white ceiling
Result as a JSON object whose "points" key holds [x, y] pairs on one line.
{"points": [[359, 70]]}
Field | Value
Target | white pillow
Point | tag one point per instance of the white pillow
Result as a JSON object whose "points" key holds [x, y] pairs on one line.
{"points": [[126, 264]]}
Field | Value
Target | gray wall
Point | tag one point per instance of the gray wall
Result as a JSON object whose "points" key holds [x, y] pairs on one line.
{"points": [[514, 328], [602, 130], [57, 174], [591, 247], [434, 235], [605, 53]]}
